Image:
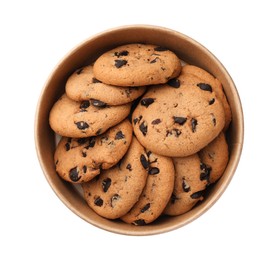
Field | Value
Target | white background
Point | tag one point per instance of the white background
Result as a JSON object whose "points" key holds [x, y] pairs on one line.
{"points": [[35, 35]]}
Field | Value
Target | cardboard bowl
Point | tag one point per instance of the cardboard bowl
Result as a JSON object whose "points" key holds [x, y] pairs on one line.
{"points": [[188, 50]]}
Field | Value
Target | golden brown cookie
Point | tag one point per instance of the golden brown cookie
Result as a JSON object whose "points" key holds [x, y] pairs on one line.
{"points": [[116, 190], [83, 119], [82, 85], [137, 65], [157, 192], [80, 160]]}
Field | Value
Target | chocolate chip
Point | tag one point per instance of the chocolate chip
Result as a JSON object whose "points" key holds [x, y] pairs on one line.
{"points": [[138, 119], [204, 86], [175, 83], [84, 168], [114, 200], [129, 167], [146, 101], [173, 198], [160, 48], [120, 63], [144, 161], [194, 123], [154, 60], [174, 131], [156, 121], [179, 120], [84, 154], [106, 184], [82, 125], [121, 53], [213, 119], [119, 135], [82, 140], [153, 170], [79, 71], [98, 103], [139, 222], [94, 80], [185, 186], [143, 128], [98, 201], [211, 101], [92, 142], [85, 104], [197, 195], [146, 207], [67, 146], [205, 172], [73, 174], [99, 131]]}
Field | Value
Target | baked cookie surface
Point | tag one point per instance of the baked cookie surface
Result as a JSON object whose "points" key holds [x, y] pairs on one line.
{"points": [[82, 85], [137, 65], [176, 119], [157, 192], [83, 119], [80, 160], [190, 183], [117, 189]]}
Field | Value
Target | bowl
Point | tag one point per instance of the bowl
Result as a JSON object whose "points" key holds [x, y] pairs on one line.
{"points": [[188, 50]]}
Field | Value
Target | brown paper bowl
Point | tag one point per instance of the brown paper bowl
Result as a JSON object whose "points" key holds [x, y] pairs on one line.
{"points": [[188, 50]]}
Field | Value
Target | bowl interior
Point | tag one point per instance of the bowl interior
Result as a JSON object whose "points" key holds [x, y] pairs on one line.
{"points": [[188, 50]]}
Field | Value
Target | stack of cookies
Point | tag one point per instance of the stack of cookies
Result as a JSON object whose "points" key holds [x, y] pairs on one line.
{"points": [[143, 134]]}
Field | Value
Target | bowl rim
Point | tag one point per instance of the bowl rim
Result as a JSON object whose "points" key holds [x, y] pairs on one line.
{"points": [[238, 145]]}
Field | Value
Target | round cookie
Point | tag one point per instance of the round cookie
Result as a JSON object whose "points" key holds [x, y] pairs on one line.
{"points": [[137, 65], [194, 75], [177, 120], [80, 160], [215, 157], [83, 119], [117, 189], [190, 183], [157, 192], [82, 85]]}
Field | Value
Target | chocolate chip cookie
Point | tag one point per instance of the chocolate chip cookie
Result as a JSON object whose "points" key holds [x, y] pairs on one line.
{"points": [[83, 119], [80, 160], [116, 190], [137, 65], [157, 192], [82, 85]]}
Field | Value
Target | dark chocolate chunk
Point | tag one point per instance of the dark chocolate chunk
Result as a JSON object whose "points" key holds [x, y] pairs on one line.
{"points": [[121, 53], [156, 121], [175, 83], [146, 101], [146, 207], [138, 119], [94, 80], [82, 125], [194, 123], [82, 140], [205, 172], [144, 161], [129, 167], [92, 142], [143, 128], [79, 71], [73, 174], [85, 104], [179, 120], [67, 146], [197, 195], [106, 184], [211, 101], [204, 86], [98, 103], [120, 63], [98, 201], [84, 168], [114, 200], [139, 222], [160, 48], [153, 170], [185, 186], [119, 135]]}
